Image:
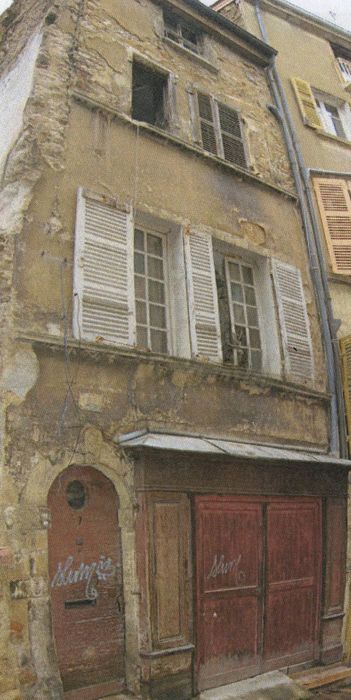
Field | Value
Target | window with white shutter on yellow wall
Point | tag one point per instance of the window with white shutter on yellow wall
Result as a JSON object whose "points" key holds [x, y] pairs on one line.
{"points": [[103, 272], [334, 202], [345, 351], [184, 293]]}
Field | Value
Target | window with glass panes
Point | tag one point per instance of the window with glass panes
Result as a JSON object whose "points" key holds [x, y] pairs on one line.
{"points": [[150, 291], [246, 337]]}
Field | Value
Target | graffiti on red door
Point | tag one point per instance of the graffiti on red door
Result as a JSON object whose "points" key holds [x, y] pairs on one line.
{"points": [[70, 572], [221, 566]]}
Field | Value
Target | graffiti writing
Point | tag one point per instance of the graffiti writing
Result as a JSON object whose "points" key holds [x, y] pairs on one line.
{"points": [[69, 573], [221, 566]]}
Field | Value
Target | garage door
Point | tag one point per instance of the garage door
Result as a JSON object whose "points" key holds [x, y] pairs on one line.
{"points": [[258, 585]]}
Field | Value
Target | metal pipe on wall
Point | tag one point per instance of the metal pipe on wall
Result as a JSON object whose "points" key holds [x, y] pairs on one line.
{"points": [[338, 444]]}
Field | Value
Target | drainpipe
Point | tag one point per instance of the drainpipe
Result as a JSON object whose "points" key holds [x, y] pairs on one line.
{"points": [[338, 445]]}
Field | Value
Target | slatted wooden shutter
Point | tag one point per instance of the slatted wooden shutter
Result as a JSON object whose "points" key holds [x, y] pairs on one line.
{"points": [[307, 103], [103, 272], [202, 296], [232, 140], [207, 123], [345, 349], [334, 201], [295, 329]]}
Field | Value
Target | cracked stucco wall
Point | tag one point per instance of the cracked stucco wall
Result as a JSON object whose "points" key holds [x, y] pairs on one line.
{"points": [[61, 404]]}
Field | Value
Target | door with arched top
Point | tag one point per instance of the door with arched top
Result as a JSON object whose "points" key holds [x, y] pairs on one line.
{"points": [[86, 586]]}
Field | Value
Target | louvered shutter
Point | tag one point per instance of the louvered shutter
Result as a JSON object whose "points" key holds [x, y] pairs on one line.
{"points": [[202, 297], [334, 203], [103, 273], [345, 349], [307, 103], [207, 125], [295, 328], [232, 140]]}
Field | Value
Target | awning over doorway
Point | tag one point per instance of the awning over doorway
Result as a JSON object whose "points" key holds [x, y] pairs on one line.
{"points": [[211, 445]]}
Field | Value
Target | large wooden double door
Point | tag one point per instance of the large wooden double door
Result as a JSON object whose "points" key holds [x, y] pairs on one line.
{"points": [[258, 585]]}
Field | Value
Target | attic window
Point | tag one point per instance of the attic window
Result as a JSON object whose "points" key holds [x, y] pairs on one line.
{"points": [[183, 33], [149, 96], [343, 58]]}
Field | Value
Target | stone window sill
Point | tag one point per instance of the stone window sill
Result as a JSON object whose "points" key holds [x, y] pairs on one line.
{"points": [[325, 135], [104, 352]]}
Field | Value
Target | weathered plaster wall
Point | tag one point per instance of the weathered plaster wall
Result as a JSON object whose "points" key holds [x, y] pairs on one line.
{"points": [[111, 31], [15, 89], [58, 411]]}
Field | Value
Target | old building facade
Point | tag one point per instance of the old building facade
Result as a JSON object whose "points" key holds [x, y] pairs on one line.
{"points": [[173, 503], [314, 68]]}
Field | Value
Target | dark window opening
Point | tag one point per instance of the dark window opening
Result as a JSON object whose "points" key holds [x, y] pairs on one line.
{"points": [[182, 32], [149, 95]]}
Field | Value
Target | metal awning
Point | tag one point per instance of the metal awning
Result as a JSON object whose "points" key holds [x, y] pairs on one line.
{"points": [[213, 446]]}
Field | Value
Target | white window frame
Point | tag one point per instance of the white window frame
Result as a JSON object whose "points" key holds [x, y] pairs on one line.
{"points": [[344, 65], [344, 114], [175, 279], [233, 321], [265, 301], [149, 327]]}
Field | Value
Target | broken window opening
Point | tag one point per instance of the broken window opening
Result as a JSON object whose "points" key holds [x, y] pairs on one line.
{"points": [[182, 33], [149, 99]]}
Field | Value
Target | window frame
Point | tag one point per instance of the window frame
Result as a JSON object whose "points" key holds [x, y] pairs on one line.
{"points": [[176, 29], [266, 305], [165, 259], [323, 105], [243, 263], [170, 112]]}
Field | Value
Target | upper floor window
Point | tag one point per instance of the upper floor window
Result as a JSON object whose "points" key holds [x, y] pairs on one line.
{"points": [[150, 284], [245, 327], [331, 117], [183, 33], [221, 130], [343, 58], [345, 68], [327, 113], [149, 95], [185, 293]]}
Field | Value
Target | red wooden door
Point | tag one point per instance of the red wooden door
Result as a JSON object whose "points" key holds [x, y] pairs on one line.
{"points": [[86, 583], [258, 585], [229, 562], [292, 582]]}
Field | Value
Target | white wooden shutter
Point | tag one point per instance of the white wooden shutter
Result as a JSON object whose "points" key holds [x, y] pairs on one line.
{"points": [[202, 296], [295, 328], [103, 272]]}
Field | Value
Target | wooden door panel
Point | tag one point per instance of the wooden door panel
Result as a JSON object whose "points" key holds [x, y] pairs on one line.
{"points": [[229, 563], [292, 581], [86, 580]]}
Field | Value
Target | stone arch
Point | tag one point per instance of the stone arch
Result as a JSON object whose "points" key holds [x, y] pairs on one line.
{"points": [[105, 458]]}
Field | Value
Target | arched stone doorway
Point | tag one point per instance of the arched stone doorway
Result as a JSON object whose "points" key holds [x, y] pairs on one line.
{"points": [[86, 583]]}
